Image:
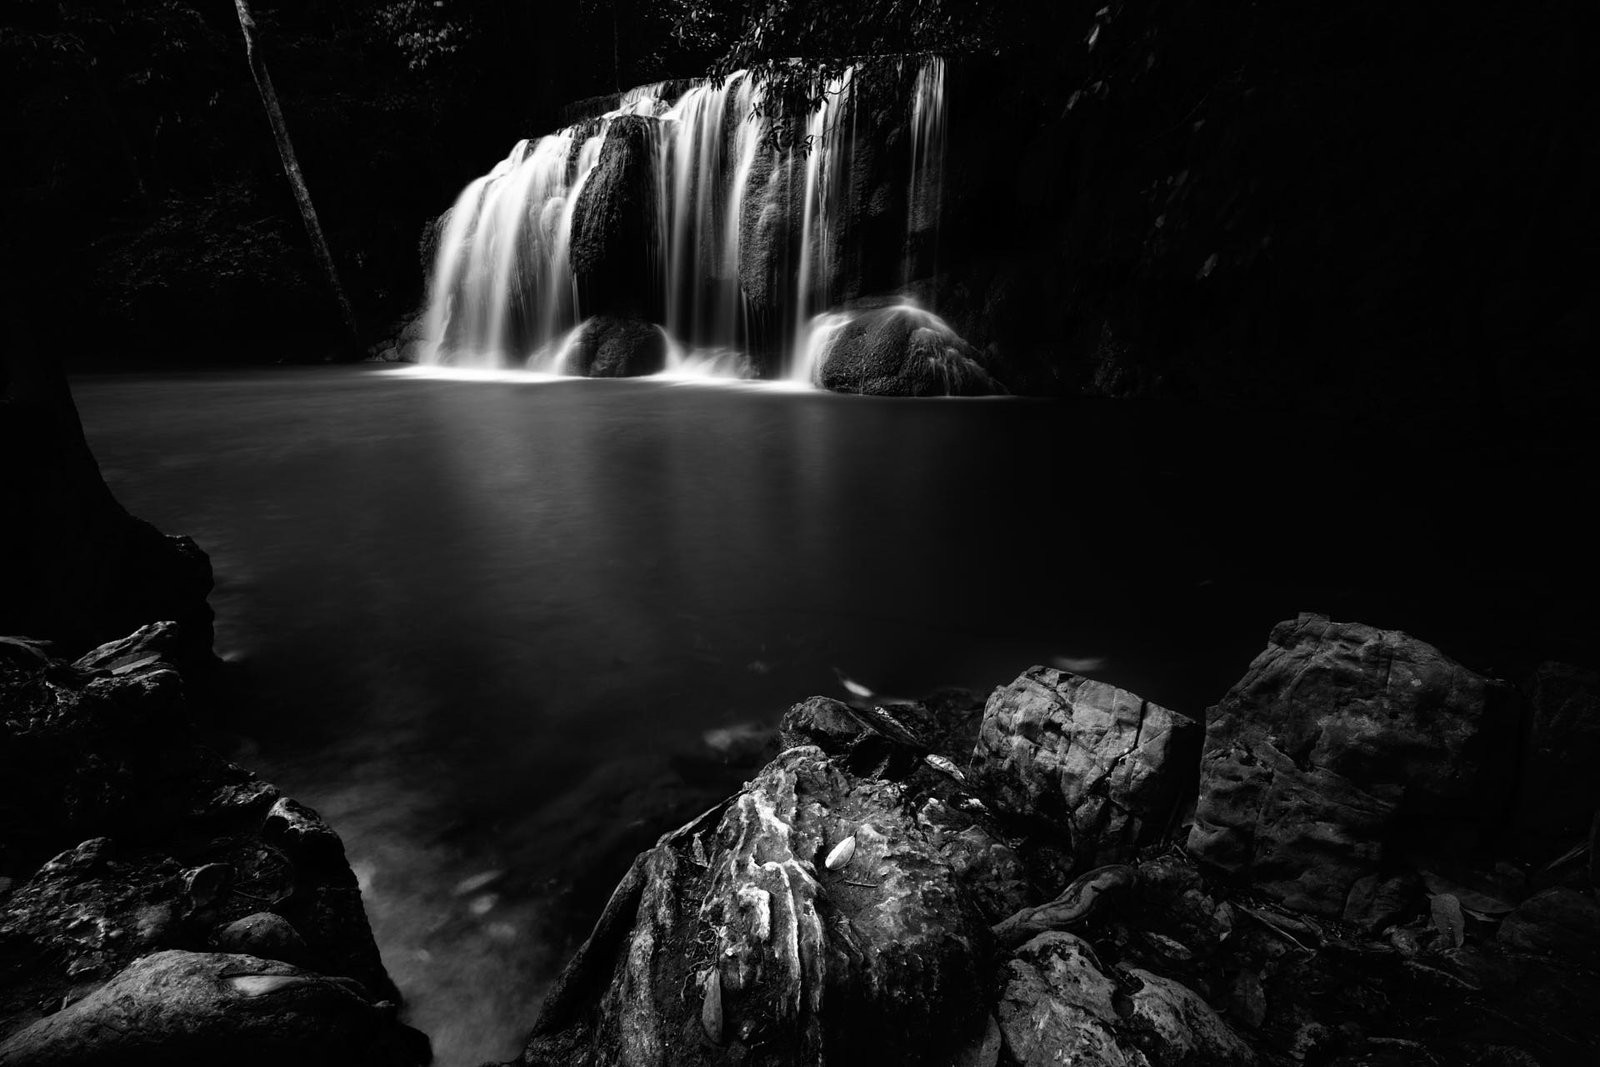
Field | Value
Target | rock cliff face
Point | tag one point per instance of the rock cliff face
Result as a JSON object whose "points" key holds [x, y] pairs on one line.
{"points": [[935, 883], [160, 903]]}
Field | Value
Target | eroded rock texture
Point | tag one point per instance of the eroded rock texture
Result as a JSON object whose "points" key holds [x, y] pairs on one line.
{"points": [[1344, 746], [743, 941], [1100, 760]]}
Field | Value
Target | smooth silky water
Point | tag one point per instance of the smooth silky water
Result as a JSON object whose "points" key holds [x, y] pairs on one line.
{"points": [[482, 624]]}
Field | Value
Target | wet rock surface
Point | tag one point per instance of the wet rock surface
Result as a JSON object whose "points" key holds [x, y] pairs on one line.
{"points": [[609, 347], [614, 221], [129, 851], [901, 351], [919, 883]]}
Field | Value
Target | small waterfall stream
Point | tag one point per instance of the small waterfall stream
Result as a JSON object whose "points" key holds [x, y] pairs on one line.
{"points": [[755, 241]]}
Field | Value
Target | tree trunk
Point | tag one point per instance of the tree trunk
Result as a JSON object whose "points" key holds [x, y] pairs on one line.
{"points": [[291, 168]]}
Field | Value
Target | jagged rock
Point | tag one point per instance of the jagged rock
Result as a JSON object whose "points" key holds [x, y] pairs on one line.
{"points": [[145, 647], [262, 934], [820, 721], [1174, 1026], [728, 939], [613, 226], [1376, 900], [1342, 739], [176, 1008], [989, 870], [1060, 1007], [1560, 791], [610, 347], [1103, 762], [1559, 922], [899, 350]]}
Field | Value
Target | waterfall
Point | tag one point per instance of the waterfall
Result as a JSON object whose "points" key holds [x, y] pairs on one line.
{"points": [[740, 248]]}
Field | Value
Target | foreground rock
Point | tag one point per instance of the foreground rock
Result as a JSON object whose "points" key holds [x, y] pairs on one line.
{"points": [[125, 839], [839, 910], [932, 883], [734, 935], [1344, 748], [1107, 764], [898, 351], [195, 1007]]}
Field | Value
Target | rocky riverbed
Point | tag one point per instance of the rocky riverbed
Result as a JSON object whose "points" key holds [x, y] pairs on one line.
{"points": [[1368, 854], [1365, 853]]}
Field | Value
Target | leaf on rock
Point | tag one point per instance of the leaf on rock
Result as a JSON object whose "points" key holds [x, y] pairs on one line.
{"points": [[1448, 920]]}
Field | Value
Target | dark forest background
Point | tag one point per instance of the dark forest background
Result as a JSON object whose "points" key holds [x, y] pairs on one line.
{"points": [[1266, 202]]}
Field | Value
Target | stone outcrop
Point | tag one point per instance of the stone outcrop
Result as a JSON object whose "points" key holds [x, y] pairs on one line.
{"points": [[900, 351], [613, 227], [129, 841], [1101, 761], [1344, 747]]}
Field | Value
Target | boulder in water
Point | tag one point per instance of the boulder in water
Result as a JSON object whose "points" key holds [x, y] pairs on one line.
{"points": [[899, 350], [610, 347]]}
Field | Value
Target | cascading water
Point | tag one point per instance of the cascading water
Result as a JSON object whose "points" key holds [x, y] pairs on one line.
{"points": [[751, 246]]}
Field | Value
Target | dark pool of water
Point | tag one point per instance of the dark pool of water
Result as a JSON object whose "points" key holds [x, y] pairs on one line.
{"points": [[482, 625]]}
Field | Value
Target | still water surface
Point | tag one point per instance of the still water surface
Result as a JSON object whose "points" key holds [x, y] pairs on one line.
{"points": [[483, 625]]}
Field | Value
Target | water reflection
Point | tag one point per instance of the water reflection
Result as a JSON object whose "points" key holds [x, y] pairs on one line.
{"points": [[481, 625]]}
